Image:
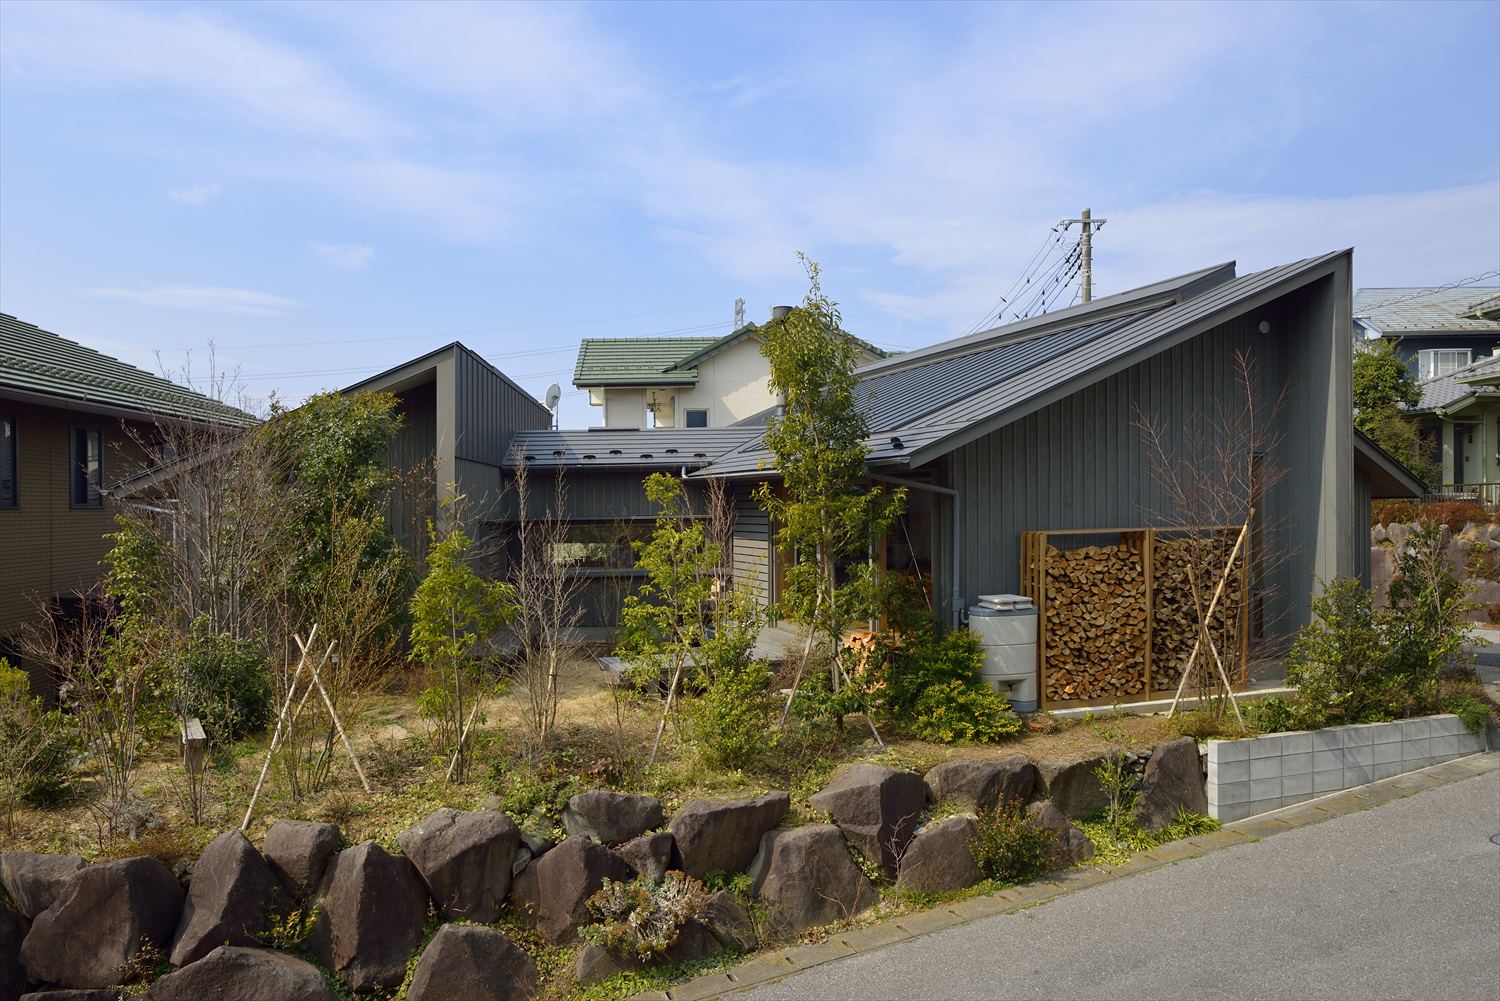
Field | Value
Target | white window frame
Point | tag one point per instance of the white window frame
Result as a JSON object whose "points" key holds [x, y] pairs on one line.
{"points": [[1433, 363]]}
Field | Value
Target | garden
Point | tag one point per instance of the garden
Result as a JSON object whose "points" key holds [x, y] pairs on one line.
{"points": [[404, 776]]}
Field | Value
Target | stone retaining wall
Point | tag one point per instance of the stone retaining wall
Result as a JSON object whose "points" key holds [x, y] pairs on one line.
{"points": [[1261, 774]]}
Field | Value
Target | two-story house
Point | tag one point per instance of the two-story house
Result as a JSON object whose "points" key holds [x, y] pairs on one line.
{"points": [[1436, 330], [1449, 338], [681, 382], [73, 422]]}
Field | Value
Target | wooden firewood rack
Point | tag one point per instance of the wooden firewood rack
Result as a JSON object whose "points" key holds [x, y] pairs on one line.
{"points": [[1143, 542]]}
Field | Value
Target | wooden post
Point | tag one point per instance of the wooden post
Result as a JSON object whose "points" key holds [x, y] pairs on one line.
{"points": [[194, 745], [1041, 621], [1148, 560]]}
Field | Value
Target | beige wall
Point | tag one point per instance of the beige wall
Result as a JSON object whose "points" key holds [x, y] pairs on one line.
{"points": [[47, 547], [732, 385]]}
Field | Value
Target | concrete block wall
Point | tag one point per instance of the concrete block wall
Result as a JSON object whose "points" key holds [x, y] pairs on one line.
{"points": [[1260, 774]]}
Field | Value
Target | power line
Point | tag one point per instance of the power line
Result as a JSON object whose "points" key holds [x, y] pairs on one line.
{"points": [[1419, 293]]}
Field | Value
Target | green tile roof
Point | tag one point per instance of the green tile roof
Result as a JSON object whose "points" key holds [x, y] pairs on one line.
{"points": [[637, 361], [33, 360]]}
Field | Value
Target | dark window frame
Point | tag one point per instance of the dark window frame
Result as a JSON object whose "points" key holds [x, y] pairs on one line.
{"points": [[78, 475], [10, 421], [687, 417]]}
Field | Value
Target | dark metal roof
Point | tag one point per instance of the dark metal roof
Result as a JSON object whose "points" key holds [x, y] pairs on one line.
{"points": [[909, 394], [37, 362], [1385, 474], [664, 448], [932, 400]]}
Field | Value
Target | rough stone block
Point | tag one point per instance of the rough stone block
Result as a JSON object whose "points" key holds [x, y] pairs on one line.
{"points": [[465, 859], [877, 808], [228, 902], [725, 836]]}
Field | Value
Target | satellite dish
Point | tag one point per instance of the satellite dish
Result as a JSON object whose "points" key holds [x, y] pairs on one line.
{"points": [[554, 393]]}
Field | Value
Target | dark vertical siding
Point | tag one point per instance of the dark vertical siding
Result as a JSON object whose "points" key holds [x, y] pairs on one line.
{"points": [[491, 409], [752, 549], [1359, 524], [411, 455], [1081, 462]]}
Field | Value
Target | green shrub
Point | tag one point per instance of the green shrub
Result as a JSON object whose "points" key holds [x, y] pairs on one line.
{"points": [[1469, 709], [643, 919], [1341, 662], [1277, 714], [37, 747], [932, 682], [1009, 846], [732, 721], [951, 712], [225, 682]]}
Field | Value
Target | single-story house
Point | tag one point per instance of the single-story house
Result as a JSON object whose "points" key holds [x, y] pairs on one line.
{"points": [[1033, 426]]}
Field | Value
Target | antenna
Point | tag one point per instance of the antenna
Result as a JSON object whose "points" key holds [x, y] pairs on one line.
{"points": [[554, 393], [739, 313]]}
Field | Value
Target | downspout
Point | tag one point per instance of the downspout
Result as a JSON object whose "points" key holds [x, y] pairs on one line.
{"points": [[957, 599]]}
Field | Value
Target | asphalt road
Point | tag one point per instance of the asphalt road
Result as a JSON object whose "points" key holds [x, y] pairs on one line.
{"points": [[1400, 901]]}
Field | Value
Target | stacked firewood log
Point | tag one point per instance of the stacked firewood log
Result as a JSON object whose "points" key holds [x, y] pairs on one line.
{"points": [[1096, 623], [1095, 633], [1175, 629]]}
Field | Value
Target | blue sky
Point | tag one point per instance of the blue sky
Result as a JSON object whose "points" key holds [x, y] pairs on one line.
{"points": [[325, 191]]}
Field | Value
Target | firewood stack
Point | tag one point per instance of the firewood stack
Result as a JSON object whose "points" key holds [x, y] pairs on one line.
{"points": [[1176, 620], [1095, 629], [1096, 623]]}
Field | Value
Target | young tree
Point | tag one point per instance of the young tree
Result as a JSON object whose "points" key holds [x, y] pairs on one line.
{"points": [[1383, 386], [830, 516], [548, 599], [452, 612], [1211, 470], [662, 627]]}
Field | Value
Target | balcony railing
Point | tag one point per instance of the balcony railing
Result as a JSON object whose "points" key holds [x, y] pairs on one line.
{"points": [[1487, 494]]}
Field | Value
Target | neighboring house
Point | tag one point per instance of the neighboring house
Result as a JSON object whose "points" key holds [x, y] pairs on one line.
{"points": [[1459, 414], [72, 423], [680, 382], [1033, 426], [1437, 331]]}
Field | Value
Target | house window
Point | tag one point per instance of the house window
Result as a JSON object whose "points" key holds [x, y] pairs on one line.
{"points": [[7, 462], [87, 469], [1436, 362], [598, 545], [695, 418]]}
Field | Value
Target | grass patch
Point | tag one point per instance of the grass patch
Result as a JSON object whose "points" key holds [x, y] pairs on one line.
{"points": [[1116, 849]]}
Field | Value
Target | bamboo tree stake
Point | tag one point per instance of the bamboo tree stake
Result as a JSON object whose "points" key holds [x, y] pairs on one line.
{"points": [[462, 735], [802, 667], [337, 724], [281, 721], [1203, 629], [666, 711]]}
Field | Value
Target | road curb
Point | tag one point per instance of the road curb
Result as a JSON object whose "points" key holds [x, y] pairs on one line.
{"points": [[767, 967]]}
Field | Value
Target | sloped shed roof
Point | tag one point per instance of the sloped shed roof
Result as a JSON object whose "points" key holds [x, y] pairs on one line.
{"points": [[37, 362], [927, 402], [665, 448]]}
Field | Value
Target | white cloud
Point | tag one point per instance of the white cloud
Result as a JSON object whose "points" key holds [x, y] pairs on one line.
{"points": [[210, 298], [197, 196], [344, 256]]}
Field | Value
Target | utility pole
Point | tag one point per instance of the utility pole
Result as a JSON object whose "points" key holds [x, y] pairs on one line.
{"points": [[1086, 248]]}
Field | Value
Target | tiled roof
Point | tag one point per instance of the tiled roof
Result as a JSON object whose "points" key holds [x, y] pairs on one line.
{"points": [[1425, 310], [637, 361], [36, 361], [1445, 390]]}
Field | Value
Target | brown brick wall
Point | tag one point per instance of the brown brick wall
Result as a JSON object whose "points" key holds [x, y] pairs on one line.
{"points": [[48, 547]]}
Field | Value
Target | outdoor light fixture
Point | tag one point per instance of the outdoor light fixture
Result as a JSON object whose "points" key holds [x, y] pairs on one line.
{"points": [[1264, 326]]}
